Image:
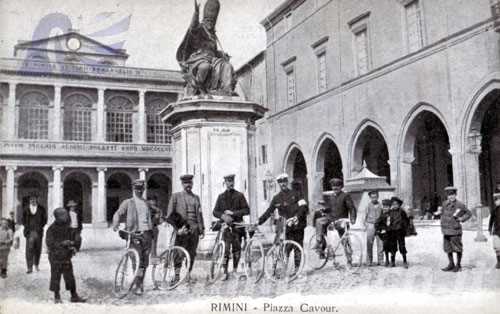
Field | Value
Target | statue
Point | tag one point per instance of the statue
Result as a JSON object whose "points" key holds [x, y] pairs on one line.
{"points": [[205, 68]]}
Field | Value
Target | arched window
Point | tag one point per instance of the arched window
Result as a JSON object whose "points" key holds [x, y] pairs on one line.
{"points": [[77, 118], [34, 116], [157, 130], [119, 117]]}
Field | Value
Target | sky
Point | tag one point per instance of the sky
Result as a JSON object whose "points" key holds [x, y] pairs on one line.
{"points": [[149, 30]]}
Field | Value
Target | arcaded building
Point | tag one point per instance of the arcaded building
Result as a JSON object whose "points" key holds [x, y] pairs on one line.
{"points": [[409, 87], [77, 123]]}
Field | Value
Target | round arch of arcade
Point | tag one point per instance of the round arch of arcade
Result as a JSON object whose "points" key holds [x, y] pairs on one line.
{"points": [[327, 163], [295, 165], [78, 187], [368, 146], [32, 182], [480, 143], [425, 164]]}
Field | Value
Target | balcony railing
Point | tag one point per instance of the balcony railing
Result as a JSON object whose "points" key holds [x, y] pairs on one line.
{"points": [[28, 66], [84, 149]]}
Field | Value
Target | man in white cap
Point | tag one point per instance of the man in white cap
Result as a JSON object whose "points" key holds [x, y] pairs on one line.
{"points": [[138, 219], [291, 206], [494, 227], [230, 207]]}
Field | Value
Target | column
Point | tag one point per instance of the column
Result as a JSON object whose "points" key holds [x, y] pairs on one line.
{"points": [[142, 176], [406, 180], [10, 116], [57, 189], [56, 127], [101, 195], [101, 116], [142, 118], [10, 195]]}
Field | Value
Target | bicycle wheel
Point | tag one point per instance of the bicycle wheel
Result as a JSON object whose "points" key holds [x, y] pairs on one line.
{"points": [[163, 274], [347, 252], [254, 260], [125, 273], [294, 257], [273, 263], [313, 258], [216, 262]]}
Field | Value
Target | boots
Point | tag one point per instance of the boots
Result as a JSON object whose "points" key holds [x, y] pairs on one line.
{"points": [[458, 266], [498, 262], [57, 297], [387, 259], [405, 262], [3, 274], [75, 298], [451, 264], [393, 260]]}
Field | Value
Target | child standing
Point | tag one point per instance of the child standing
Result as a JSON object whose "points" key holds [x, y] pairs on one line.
{"points": [[373, 212], [381, 228], [453, 213], [61, 250], [6, 238], [397, 224]]}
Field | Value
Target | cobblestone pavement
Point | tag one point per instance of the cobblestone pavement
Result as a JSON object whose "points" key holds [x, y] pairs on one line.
{"points": [[95, 269]]}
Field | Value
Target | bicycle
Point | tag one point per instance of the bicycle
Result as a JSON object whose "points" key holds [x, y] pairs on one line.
{"points": [[128, 267], [281, 252], [349, 242], [163, 274], [253, 254]]}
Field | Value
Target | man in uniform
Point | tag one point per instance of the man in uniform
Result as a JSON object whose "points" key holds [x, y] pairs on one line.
{"points": [[453, 213], [34, 219], [291, 206], [230, 207], [138, 219], [186, 205], [338, 205]]}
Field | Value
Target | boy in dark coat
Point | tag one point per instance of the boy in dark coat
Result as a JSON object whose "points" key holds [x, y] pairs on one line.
{"points": [[396, 222], [494, 227], [453, 213], [61, 250], [381, 228]]}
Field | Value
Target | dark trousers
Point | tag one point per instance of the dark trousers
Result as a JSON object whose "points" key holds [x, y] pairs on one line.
{"points": [[190, 243], [297, 236], [66, 270], [232, 239], [33, 248], [395, 239], [75, 235], [142, 243]]}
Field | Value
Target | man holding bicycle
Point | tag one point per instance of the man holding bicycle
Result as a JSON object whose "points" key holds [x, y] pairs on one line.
{"points": [[291, 206], [338, 205], [230, 207], [138, 220]]}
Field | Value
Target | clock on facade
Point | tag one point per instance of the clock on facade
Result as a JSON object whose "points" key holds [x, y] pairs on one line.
{"points": [[73, 43]]}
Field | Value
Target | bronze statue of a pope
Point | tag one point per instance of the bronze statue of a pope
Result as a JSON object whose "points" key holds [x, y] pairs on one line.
{"points": [[206, 69]]}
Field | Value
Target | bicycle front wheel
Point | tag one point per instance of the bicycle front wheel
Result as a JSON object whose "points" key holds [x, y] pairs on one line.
{"points": [[126, 273], [254, 260], [216, 262], [314, 258], [347, 252], [172, 269], [285, 261]]}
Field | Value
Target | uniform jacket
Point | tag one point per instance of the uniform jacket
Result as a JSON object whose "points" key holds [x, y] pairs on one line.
{"points": [[234, 201], [128, 208], [340, 206], [494, 225], [289, 204], [57, 238], [452, 216], [178, 204], [34, 222]]}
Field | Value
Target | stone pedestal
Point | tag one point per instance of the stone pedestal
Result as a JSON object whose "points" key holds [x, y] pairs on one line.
{"points": [[360, 185], [213, 136]]}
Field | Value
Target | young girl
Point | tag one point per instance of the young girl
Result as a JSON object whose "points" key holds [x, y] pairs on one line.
{"points": [[6, 238]]}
